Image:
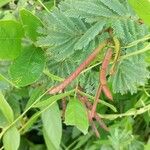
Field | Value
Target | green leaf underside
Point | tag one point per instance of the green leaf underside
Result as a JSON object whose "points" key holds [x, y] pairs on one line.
{"points": [[93, 10], [131, 72], [65, 35], [76, 115], [11, 34], [52, 128], [11, 139], [28, 67], [6, 109], [129, 75], [30, 23]]}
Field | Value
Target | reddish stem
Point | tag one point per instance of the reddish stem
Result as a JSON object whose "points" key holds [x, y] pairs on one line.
{"points": [[86, 102], [96, 101], [63, 108], [95, 129], [74, 75]]}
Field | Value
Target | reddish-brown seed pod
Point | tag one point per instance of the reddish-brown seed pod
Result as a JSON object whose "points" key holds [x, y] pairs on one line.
{"points": [[68, 80], [103, 79], [104, 67], [107, 92]]}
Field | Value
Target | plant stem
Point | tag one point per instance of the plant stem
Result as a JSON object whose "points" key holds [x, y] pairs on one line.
{"points": [[43, 6]]}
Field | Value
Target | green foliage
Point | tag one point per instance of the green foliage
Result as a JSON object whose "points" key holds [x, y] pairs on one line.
{"points": [[6, 109], [52, 127], [93, 10], [42, 43], [28, 67], [11, 139], [11, 33], [63, 26], [30, 23], [76, 115]]}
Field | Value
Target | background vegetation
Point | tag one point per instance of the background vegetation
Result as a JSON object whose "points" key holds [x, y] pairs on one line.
{"points": [[40, 45]]}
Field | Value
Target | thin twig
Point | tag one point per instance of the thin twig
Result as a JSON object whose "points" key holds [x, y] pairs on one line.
{"points": [[96, 101]]}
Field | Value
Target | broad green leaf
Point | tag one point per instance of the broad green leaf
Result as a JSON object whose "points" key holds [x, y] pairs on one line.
{"points": [[11, 139], [142, 8], [30, 23], [52, 127], [4, 2], [6, 109], [3, 120], [11, 34], [28, 67], [48, 142], [76, 115]]}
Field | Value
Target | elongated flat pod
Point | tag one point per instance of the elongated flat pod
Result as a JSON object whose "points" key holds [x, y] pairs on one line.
{"points": [[104, 67], [107, 92], [74, 75]]}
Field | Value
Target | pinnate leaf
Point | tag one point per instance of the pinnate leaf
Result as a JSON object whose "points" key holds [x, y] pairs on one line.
{"points": [[89, 35]]}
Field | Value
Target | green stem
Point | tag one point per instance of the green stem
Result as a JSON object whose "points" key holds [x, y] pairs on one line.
{"points": [[43, 6], [133, 112], [52, 76], [147, 48], [147, 37]]}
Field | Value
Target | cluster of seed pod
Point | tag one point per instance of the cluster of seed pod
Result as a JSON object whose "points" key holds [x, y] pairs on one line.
{"points": [[103, 87]]}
